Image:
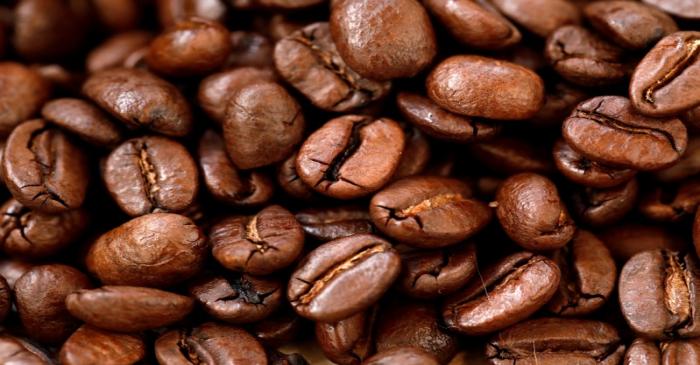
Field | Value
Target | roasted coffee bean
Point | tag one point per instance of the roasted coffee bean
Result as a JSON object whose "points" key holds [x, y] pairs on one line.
{"points": [[343, 277], [550, 341], [332, 223], [209, 343], [172, 11], [629, 24], [582, 57], [440, 123], [120, 15], [383, 40], [679, 8], [415, 156], [82, 119], [5, 299], [428, 211], [671, 204], [250, 49], [429, 274], [13, 269], [190, 47], [290, 182], [402, 355], [157, 249], [151, 174], [696, 232], [140, 99], [262, 116], [687, 166], [508, 292], [657, 294], [485, 87], [309, 61], [599, 207], [541, 17], [609, 130], [237, 298], [215, 89], [559, 100], [587, 172], [508, 155], [223, 179], [22, 93], [40, 294], [675, 352], [334, 159], [128, 308], [14, 350], [261, 244], [112, 52], [42, 168], [532, 214], [350, 340], [89, 345], [627, 240], [275, 357], [663, 82], [280, 328]]}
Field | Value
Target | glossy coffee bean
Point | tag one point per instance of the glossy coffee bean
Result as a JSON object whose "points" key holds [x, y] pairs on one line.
{"points": [[39, 296], [687, 166], [82, 119], [350, 340], [678, 8], [402, 355], [629, 24], [140, 100], [89, 345], [671, 204], [171, 12], [675, 352], [114, 50], [215, 89], [627, 240], [599, 207], [559, 100], [13, 269], [541, 17], [587, 172], [128, 308], [251, 49], [332, 223], [609, 130], [485, 87], [333, 160], [415, 156], [21, 96], [429, 274], [343, 277], [261, 244], [290, 182], [280, 328], [14, 350], [550, 341], [532, 213], [151, 174], [118, 16], [657, 294], [512, 289], [509, 155], [157, 249]]}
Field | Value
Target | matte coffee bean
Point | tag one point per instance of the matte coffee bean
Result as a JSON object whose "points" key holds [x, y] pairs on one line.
{"points": [[171, 12], [599, 207], [508, 156], [541, 17], [43, 169], [157, 249], [89, 345], [332, 223], [627, 240], [609, 130], [14, 350], [290, 182], [508, 292], [39, 296], [485, 87], [429, 274], [215, 89], [587, 172], [350, 340], [428, 211], [333, 160], [128, 308], [22, 93], [402, 355], [672, 204], [343, 277], [140, 100], [261, 244], [383, 40], [679, 8], [532, 214], [82, 119], [675, 352], [114, 50]]}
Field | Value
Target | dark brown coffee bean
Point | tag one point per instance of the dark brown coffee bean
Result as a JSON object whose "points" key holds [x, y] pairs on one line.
{"points": [[532, 213], [237, 298], [22, 93], [276, 357], [402, 355], [262, 116], [13, 269], [31, 234], [42, 168], [331, 223], [511, 290], [334, 159], [120, 15], [642, 351], [343, 277], [679, 8], [582, 57], [428, 211], [608, 129], [261, 244], [550, 341], [696, 232], [629, 24], [541, 17], [14, 350], [40, 294], [508, 155], [559, 100], [290, 182], [190, 47], [587, 172], [415, 156], [250, 49], [350, 340], [223, 179], [399, 43], [687, 166], [215, 89], [675, 352], [627, 240], [5, 299], [89, 345], [440, 123], [158, 249], [599, 207], [140, 99], [671, 204], [309, 61], [172, 11], [128, 308], [485, 87], [61, 78], [280, 328], [657, 294], [429, 274], [209, 343], [112, 52], [151, 174], [83, 119], [663, 82]]}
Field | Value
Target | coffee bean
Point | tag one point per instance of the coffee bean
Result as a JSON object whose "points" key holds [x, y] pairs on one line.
{"points": [[157, 249], [687, 166], [89, 345], [118, 16], [14, 350], [559, 100], [671, 204], [429, 274], [343, 277], [280, 328], [485, 87], [696, 232], [488, 304], [508, 155], [348, 341], [608, 129], [677, 8], [13, 269], [290, 182], [599, 207], [172, 11], [83, 119], [250, 49], [21, 96], [402, 355], [332, 223], [5, 299], [541, 17], [585, 171], [112, 52], [627, 240], [333, 160], [675, 352], [215, 89], [415, 156]]}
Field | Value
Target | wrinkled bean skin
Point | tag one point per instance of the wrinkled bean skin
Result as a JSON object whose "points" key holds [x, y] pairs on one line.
{"points": [[14, 350], [584, 171], [348, 341], [22, 92], [402, 355], [89, 345], [216, 88], [83, 119], [429, 274]]}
